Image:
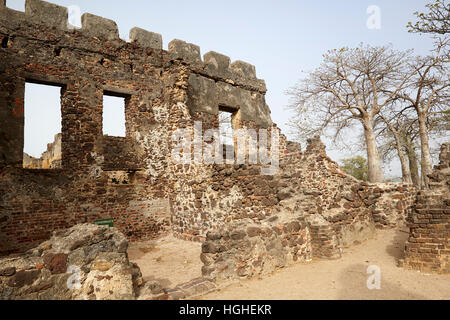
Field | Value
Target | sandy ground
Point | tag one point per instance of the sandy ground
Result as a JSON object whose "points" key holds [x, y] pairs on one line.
{"points": [[346, 278], [168, 260], [174, 261]]}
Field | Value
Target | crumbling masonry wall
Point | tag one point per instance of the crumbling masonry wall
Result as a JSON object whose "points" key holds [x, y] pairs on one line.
{"points": [[130, 179], [319, 210], [308, 208], [428, 245]]}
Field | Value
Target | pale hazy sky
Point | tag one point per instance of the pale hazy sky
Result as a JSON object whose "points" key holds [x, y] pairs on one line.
{"points": [[281, 38]]}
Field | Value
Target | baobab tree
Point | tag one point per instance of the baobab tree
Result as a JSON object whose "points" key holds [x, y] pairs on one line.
{"points": [[427, 91], [397, 131], [393, 131], [350, 87]]}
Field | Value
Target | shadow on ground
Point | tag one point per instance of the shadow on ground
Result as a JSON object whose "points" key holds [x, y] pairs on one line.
{"points": [[396, 248]]}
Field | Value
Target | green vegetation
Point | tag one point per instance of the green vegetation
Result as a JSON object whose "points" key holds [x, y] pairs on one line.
{"points": [[357, 167]]}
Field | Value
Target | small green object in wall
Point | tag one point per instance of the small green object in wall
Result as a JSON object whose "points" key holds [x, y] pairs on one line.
{"points": [[105, 222]]}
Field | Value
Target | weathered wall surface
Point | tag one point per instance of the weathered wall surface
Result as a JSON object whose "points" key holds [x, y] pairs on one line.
{"points": [[318, 210], [315, 185], [86, 262], [428, 245], [247, 249]]}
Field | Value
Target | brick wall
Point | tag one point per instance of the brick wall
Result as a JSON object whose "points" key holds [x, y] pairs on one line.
{"points": [[428, 245]]}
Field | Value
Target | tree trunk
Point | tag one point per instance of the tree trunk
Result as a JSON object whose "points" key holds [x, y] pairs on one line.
{"points": [[426, 166], [406, 173], [373, 158], [413, 166]]}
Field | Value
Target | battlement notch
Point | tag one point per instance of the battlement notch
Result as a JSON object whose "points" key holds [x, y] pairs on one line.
{"points": [[187, 51], [96, 26], [146, 38], [50, 14]]}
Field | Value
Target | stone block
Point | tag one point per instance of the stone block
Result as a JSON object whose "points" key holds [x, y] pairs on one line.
{"points": [[228, 95], [187, 51], [218, 65], [7, 272], [56, 263], [23, 278], [244, 69], [146, 38], [99, 27], [254, 108], [50, 14], [202, 95]]}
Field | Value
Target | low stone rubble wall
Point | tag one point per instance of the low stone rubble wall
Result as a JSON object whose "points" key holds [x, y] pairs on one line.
{"points": [[246, 249], [86, 262], [394, 204]]}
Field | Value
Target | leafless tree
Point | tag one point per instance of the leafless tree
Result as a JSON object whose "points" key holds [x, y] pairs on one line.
{"points": [[393, 130], [398, 131], [411, 151], [350, 87], [435, 21], [427, 91]]}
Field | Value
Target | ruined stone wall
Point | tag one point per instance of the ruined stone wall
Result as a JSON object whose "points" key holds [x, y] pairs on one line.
{"points": [[84, 63], [428, 245], [318, 210], [134, 179], [210, 197], [315, 185], [130, 179], [248, 249]]}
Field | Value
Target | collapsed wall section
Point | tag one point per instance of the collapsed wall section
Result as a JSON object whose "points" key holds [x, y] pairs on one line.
{"points": [[428, 245], [317, 211], [353, 209]]}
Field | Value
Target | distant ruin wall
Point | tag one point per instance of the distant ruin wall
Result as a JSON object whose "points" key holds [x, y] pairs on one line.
{"points": [[50, 159]]}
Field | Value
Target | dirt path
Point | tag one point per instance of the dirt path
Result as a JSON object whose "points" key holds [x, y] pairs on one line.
{"points": [[169, 260], [345, 278]]}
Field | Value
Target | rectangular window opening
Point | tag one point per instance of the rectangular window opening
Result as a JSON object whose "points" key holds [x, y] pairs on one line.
{"points": [[227, 124], [226, 127], [114, 114], [18, 5], [42, 129]]}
